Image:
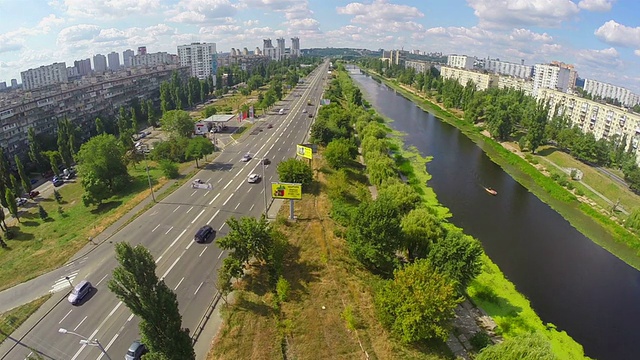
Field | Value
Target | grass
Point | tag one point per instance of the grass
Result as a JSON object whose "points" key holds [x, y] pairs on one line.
{"points": [[12, 319]]}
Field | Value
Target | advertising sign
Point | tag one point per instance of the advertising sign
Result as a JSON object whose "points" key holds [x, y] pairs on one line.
{"points": [[201, 128], [304, 151], [286, 191]]}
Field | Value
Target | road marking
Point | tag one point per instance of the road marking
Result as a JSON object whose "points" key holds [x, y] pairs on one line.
{"points": [[188, 246], [191, 208], [170, 268], [219, 180], [221, 252], [180, 282], [214, 215], [199, 286], [154, 229], [168, 230], [289, 134], [80, 323], [214, 199], [202, 252], [98, 283], [194, 192], [209, 179], [63, 283], [65, 316], [252, 205], [222, 226], [167, 249], [271, 147], [92, 336], [130, 317], [237, 205], [238, 187], [280, 148], [226, 201], [229, 183], [278, 138], [176, 208], [261, 191], [108, 345], [196, 218]]}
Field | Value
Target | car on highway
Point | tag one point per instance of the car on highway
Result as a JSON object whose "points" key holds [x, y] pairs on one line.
{"points": [[136, 350], [304, 111], [21, 201], [203, 234], [253, 178], [79, 292], [57, 181], [246, 157], [269, 126], [266, 161]]}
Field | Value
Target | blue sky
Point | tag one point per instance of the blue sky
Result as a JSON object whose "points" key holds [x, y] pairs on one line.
{"points": [[600, 37]]}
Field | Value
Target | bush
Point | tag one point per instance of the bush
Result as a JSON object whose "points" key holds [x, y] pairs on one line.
{"points": [[570, 186], [480, 340], [169, 169], [579, 192]]}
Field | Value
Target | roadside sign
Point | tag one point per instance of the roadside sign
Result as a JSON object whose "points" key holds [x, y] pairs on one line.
{"points": [[304, 151], [286, 191]]}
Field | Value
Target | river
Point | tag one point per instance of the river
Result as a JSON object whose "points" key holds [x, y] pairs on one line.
{"points": [[569, 280]]}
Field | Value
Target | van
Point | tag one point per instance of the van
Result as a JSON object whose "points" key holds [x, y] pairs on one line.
{"points": [[79, 292]]}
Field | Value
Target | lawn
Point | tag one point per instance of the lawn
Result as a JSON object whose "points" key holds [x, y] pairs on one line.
{"points": [[12, 319]]}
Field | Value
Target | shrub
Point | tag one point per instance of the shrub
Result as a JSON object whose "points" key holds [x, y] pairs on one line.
{"points": [[579, 192], [169, 169], [480, 340]]}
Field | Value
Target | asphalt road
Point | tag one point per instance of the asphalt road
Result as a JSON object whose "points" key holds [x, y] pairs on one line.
{"points": [[167, 230]]}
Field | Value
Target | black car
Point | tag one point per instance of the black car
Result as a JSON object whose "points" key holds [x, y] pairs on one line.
{"points": [[266, 161], [203, 234], [57, 181]]}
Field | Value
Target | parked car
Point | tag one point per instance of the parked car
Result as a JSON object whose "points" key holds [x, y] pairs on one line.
{"points": [[57, 181], [21, 201], [136, 350], [246, 157], [33, 194], [79, 292], [253, 178], [33, 181], [203, 234]]}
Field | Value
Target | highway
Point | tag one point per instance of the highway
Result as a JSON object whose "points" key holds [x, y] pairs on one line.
{"points": [[167, 230]]}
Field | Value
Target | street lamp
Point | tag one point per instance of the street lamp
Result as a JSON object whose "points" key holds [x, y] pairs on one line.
{"points": [[146, 164], [86, 341], [69, 280], [264, 187]]}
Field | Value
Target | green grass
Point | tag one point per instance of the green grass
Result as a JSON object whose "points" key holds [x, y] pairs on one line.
{"points": [[12, 319]]}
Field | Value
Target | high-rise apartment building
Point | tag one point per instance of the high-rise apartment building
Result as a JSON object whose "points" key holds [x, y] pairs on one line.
{"points": [[461, 61], [548, 76], [153, 59], [604, 90], [99, 63], [127, 55], [200, 57], [55, 73], [114, 61], [142, 50], [295, 46], [573, 74], [83, 67], [508, 68], [3, 85], [14, 83], [268, 49], [281, 49], [482, 81]]}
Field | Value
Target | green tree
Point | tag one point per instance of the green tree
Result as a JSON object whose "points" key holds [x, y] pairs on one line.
{"points": [[295, 171], [35, 150], [169, 168], [134, 121], [57, 196], [12, 206], [536, 126], [42, 212], [15, 185], [418, 303], [3, 225], [198, 148], [209, 111], [403, 197], [152, 118], [5, 169], [123, 122], [340, 153], [420, 228], [63, 142], [136, 284], [178, 123], [100, 126], [54, 161], [458, 256], [633, 221], [248, 238], [532, 346]]}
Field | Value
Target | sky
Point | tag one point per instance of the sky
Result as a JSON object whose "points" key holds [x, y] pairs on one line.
{"points": [[600, 37]]}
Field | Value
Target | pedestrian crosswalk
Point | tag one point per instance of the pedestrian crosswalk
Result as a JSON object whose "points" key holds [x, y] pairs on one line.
{"points": [[64, 282]]}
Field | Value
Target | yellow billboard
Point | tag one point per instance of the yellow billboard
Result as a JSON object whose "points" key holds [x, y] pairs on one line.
{"points": [[286, 191], [304, 151]]}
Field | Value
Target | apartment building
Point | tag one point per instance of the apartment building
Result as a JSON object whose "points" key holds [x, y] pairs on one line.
{"points": [[602, 120], [153, 59], [127, 55], [245, 62], [114, 61], [549, 76], [508, 68], [295, 46], [55, 73], [99, 63], [461, 61], [482, 81], [516, 83], [573, 74], [200, 58], [604, 90], [81, 102], [83, 67], [418, 65]]}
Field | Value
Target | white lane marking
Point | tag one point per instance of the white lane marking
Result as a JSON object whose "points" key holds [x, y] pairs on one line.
{"points": [[221, 252], [194, 192], [188, 246], [278, 138], [222, 226], [209, 179], [167, 249], [237, 205], [65, 316], [180, 282], [289, 134], [108, 345], [130, 317], [170, 268], [219, 180], [101, 280], [238, 187], [191, 208], [176, 209], [214, 199], [196, 218], [229, 183], [202, 252], [226, 201], [199, 286], [154, 229], [214, 215], [236, 175], [261, 191], [171, 228], [80, 323], [271, 147], [252, 205]]}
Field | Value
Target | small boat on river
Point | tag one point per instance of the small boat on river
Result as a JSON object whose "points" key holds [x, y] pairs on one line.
{"points": [[491, 191]]}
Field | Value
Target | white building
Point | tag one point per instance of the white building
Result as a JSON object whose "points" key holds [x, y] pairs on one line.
{"points": [[508, 68], [200, 57], [114, 61], [153, 59], [268, 49], [511, 82], [461, 61], [548, 76], [419, 66], [55, 73], [99, 63], [295, 46], [280, 50], [482, 81], [604, 90], [127, 55]]}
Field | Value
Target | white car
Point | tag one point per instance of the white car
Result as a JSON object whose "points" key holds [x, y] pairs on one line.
{"points": [[253, 178], [21, 201], [246, 157], [304, 111]]}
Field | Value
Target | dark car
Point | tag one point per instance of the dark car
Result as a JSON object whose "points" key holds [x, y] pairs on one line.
{"points": [[203, 234], [57, 181], [136, 350], [266, 161], [34, 194], [269, 126], [79, 292]]}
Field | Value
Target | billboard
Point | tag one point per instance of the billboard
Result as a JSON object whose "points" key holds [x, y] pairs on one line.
{"points": [[286, 191], [201, 128], [304, 151]]}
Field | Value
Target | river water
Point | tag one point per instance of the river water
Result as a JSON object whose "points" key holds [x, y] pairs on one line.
{"points": [[570, 281]]}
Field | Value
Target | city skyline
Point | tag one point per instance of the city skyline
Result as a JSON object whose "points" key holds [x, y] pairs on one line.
{"points": [[600, 37]]}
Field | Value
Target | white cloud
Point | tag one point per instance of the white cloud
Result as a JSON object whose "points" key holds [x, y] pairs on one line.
{"points": [[202, 11], [508, 13], [617, 34], [605, 58], [525, 35], [251, 22], [9, 43], [81, 32], [379, 11], [596, 5], [303, 24], [637, 52], [48, 22], [111, 9], [273, 5]]}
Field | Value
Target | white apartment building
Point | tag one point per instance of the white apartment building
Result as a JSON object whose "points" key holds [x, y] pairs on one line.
{"points": [[99, 63], [547, 76], [482, 81], [55, 73], [604, 90], [591, 116], [509, 68], [200, 57], [153, 59], [418, 65], [114, 61], [461, 61], [516, 83]]}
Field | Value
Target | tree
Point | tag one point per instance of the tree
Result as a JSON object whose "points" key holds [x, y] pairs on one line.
{"points": [[458, 256], [136, 284], [420, 228], [12, 206], [63, 142], [402, 196], [178, 123], [536, 126], [152, 118], [418, 303], [5, 169], [42, 212], [100, 126], [35, 150], [134, 121], [295, 171], [3, 225], [340, 152], [53, 157], [248, 238], [532, 346], [15, 185], [198, 147], [57, 196], [169, 168], [26, 182], [123, 122]]}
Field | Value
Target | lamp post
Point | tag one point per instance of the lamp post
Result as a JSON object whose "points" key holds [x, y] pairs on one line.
{"points": [[146, 164], [264, 188], [86, 341], [69, 280]]}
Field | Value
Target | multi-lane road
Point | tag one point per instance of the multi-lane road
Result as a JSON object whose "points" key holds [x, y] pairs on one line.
{"points": [[167, 230]]}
